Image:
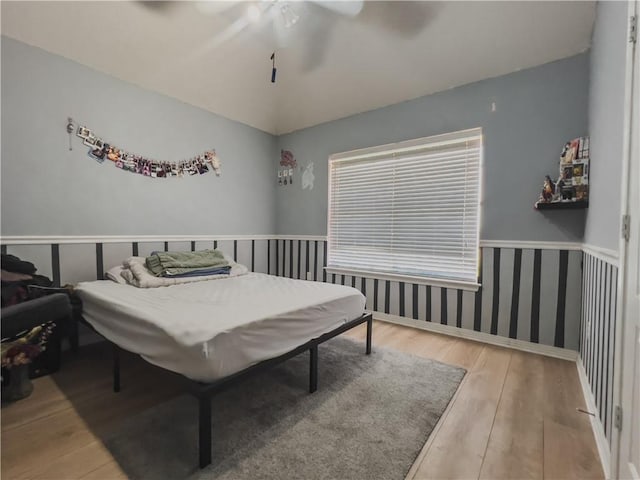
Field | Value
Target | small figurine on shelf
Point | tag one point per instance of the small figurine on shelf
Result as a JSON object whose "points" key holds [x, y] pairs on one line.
{"points": [[568, 193], [581, 192], [548, 189], [560, 184]]}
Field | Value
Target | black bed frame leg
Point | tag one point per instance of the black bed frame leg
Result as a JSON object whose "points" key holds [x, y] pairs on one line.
{"points": [[204, 402], [369, 332], [116, 368], [313, 369]]}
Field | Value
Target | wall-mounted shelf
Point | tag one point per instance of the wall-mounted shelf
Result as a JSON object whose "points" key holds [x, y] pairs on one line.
{"points": [[562, 205]]}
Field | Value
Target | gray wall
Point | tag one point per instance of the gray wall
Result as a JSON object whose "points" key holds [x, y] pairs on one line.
{"points": [[537, 111], [49, 190], [606, 113]]}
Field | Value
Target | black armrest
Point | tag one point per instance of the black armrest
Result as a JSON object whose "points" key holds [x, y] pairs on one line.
{"points": [[39, 289], [29, 314]]}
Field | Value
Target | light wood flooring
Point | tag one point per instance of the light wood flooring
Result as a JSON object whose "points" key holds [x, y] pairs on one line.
{"points": [[513, 417]]}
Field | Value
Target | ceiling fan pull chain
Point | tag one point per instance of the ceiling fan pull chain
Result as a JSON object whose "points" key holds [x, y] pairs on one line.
{"points": [[273, 67]]}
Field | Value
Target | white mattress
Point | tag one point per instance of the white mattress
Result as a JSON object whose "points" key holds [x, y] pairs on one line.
{"points": [[208, 330]]}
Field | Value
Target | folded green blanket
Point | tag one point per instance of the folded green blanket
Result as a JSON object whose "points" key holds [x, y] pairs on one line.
{"points": [[176, 263]]}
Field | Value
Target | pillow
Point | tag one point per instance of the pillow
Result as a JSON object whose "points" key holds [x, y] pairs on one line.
{"points": [[115, 274]]}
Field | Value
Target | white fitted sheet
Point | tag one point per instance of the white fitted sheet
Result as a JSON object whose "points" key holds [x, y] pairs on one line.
{"points": [[209, 330]]}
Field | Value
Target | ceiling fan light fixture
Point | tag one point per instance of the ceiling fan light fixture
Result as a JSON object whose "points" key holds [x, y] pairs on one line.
{"points": [[289, 15]]}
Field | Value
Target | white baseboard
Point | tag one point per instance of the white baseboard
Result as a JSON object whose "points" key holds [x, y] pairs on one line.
{"points": [[549, 351], [596, 425]]}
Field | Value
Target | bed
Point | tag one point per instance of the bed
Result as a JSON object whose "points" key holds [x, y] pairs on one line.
{"points": [[217, 332]]}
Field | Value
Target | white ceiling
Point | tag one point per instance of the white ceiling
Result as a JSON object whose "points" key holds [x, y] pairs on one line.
{"points": [[332, 66]]}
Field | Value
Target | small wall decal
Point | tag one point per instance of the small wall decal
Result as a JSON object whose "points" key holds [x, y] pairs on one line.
{"points": [[308, 177]]}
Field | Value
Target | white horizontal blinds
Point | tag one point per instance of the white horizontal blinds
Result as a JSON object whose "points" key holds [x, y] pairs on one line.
{"points": [[410, 208]]}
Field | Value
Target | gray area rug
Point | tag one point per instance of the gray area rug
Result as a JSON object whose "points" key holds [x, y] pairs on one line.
{"points": [[369, 419]]}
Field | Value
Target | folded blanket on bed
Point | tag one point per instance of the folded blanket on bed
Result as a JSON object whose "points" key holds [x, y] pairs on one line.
{"points": [[135, 272], [198, 272], [178, 263]]}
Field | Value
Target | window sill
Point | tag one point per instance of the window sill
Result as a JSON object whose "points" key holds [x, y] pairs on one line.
{"points": [[435, 282]]}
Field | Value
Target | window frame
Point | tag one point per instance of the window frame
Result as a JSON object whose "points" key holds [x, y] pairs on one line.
{"points": [[407, 146]]}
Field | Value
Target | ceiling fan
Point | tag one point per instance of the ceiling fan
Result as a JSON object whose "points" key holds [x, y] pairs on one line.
{"points": [[308, 24], [281, 16], [276, 23]]}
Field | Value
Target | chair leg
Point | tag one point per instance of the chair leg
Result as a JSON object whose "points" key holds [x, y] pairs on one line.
{"points": [[369, 332]]}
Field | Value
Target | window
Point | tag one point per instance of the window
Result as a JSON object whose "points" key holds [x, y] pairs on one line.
{"points": [[407, 209]]}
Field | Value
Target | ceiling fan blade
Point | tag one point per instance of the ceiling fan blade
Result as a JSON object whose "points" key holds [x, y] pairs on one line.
{"points": [[315, 43], [214, 7], [228, 33], [281, 33], [349, 8], [157, 6], [402, 18]]}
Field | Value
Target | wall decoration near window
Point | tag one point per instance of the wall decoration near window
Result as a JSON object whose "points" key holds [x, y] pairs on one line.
{"points": [[572, 188], [308, 177], [287, 164], [100, 150]]}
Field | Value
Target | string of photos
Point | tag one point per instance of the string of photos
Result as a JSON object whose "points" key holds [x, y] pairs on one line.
{"points": [[100, 151], [287, 160]]}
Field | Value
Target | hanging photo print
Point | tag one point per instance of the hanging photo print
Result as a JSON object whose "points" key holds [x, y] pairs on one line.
{"points": [[101, 151]]}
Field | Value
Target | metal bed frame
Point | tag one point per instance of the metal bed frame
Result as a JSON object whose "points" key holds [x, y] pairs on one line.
{"points": [[205, 391]]}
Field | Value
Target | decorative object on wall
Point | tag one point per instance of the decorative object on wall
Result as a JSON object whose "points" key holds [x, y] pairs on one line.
{"points": [[288, 161], [100, 150], [308, 177], [572, 188]]}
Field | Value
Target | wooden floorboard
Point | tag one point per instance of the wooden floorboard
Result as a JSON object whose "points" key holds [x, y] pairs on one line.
{"points": [[515, 447], [514, 415], [469, 422], [569, 449]]}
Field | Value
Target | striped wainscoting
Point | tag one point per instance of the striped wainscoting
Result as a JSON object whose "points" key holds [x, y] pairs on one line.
{"points": [[597, 335], [527, 294], [75, 261]]}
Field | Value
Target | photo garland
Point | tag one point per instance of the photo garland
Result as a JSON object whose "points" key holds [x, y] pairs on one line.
{"points": [[100, 150]]}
